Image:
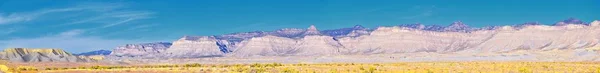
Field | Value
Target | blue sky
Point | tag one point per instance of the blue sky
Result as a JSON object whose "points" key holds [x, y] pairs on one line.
{"points": [[86, 25]]}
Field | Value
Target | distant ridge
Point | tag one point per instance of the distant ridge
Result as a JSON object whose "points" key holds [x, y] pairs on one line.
{"points": [[97, 52], [457, 38], [40, 55], [143, 49], [570, 21]]}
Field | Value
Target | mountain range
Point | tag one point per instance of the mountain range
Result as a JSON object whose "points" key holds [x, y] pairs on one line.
{"points": [[568, 40], [97, 52], [570, 34], [41, 55]]}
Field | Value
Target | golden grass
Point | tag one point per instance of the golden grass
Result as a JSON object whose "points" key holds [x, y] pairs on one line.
{"points": [[3, 67], [402, 67]]}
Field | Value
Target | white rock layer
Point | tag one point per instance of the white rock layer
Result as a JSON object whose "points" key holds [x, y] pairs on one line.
{"points": [[205, 46], [394, 40], [40, 55]]}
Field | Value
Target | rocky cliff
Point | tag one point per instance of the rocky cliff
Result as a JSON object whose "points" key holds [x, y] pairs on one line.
{"points": [[97, 52], [571, 34], [191, 46], [40, 55], [144, 49]]}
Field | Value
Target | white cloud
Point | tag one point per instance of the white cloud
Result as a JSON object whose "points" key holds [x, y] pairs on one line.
{"points": [[117, 23], [113, 18], [141, 27], [68, 40], [426, 11], [75, 40], [131, 14], [13, 18], [70, 33], [128, 16], [72, 44], [109, 14], [8, 31], [28, 16]]}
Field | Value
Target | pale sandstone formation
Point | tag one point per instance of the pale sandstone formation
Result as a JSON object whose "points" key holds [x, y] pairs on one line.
{"points": [[40, 55], [595, 23], [190, 46], [456, 39], [144, 49]]}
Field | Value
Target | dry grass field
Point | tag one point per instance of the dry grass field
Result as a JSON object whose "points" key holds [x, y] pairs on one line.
{"points": [[401, 67]]}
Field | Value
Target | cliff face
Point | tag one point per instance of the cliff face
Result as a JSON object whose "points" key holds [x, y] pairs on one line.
{"points": [[40, 55], [280, 46], [97, 52], [405, 40], [456, 38], [570, 21], [189, 46], [595, 23], [144, 49]]}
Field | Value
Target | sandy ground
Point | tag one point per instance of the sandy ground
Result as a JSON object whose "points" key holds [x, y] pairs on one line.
{"points": [[535, 56], [542, 56]]}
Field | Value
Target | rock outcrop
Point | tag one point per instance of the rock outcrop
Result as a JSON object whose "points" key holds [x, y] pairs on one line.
{"points": [[266, 46], [40, 55], [408, 38], [144, 49], [312, 30], [595, 23], [192, 46], [280, 46], [97, 52], [357, 30], [573, 21], [458, 27]]}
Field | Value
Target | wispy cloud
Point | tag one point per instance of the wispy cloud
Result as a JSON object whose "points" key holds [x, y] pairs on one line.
{"points": [[117, 23], [142, 26], [8, 31], [129, 16], [426, 11], [113, 18], [110, 14], [74, 44], [71, 40], [72, 33], [102, 15], [22, 17], [10, 18], [77, 39]]}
